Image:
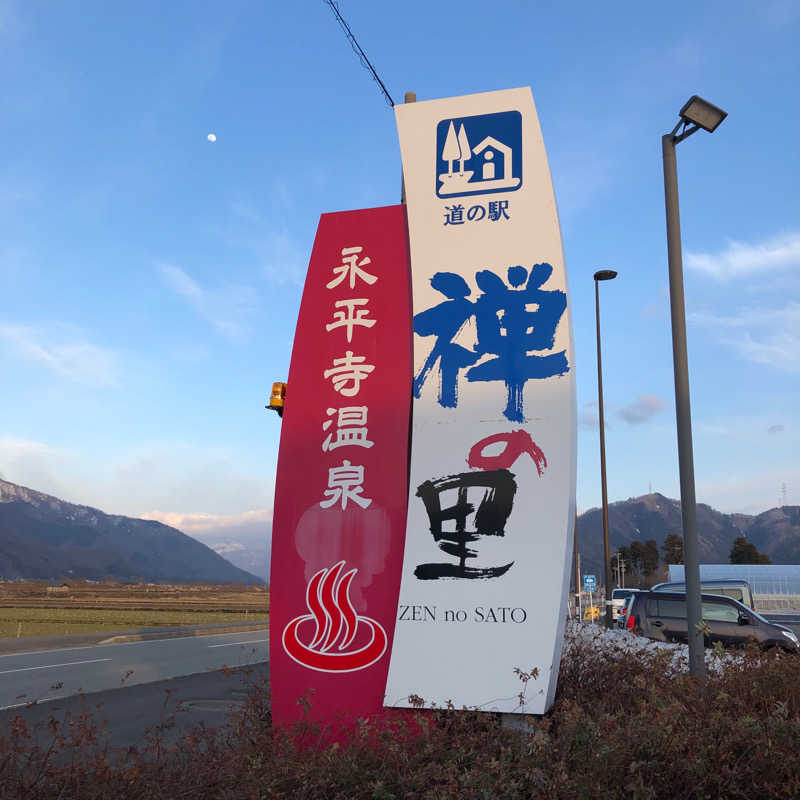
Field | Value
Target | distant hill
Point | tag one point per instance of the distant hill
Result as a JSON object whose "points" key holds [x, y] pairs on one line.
{"points": [[777, 533], [652, 516], [42, 537], [244, 550]]}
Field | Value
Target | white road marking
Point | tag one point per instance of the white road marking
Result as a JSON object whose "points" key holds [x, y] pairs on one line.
{"points": [[52, 666], [230, 644], [31, 702], [124, 644]]}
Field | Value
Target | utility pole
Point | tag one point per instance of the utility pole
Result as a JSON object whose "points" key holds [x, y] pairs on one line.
{"points": [[603, 275], [620, 570], [410, 97], [695, 114], [576, 559]]}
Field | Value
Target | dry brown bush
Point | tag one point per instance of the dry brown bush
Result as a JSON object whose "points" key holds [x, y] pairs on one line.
{"points": [[618, 728]]}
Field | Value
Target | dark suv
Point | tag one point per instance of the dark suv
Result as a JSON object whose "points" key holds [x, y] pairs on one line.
{"points": [[662, 616]]}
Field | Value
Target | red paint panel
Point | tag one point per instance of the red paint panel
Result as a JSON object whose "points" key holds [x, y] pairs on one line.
{"points": [[341, 490]]}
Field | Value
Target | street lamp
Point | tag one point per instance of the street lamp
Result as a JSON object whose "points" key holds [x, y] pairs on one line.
{"points": [[701, 113], [695, 114], [603, 275]]}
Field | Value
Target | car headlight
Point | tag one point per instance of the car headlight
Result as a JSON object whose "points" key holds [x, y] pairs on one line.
{"points": [[791, 636]]}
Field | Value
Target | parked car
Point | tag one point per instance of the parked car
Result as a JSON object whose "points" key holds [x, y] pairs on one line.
{"points": [[618, 598], [622, 619], [737, 589], [662, 616]]}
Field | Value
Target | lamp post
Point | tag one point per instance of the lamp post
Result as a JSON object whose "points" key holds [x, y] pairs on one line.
{"points": [[603, 275], [695, 114], [576, 557]]}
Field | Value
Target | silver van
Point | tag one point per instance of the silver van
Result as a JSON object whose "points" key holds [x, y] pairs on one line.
{"points": [[738, 590], [662, 616], [618, 598]]}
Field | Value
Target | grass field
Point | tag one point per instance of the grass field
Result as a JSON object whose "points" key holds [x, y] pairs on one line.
{"points": [[33, 609], [23, 622]]}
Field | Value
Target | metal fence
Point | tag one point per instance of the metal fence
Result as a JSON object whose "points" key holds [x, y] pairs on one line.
{"points": [[776, 587]]}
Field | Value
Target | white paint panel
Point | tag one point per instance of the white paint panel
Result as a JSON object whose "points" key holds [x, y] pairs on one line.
{"points": [[442, 650]]}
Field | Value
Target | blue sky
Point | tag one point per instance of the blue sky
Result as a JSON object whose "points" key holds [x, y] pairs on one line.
{"points": [[150, 279]]}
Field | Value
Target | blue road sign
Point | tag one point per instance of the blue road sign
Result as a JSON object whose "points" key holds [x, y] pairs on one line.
{"points": [[589, 582], [479, 155]]}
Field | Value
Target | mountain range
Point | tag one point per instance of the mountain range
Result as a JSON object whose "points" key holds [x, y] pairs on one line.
{"points": [[245, 547], [42, 537], [652, 516]]}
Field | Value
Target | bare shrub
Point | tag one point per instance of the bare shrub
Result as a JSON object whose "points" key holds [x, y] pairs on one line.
{"points": [[624, 724]]}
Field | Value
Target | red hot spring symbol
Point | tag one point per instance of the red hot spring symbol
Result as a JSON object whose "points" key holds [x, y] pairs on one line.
{"points": [[335, 623]]}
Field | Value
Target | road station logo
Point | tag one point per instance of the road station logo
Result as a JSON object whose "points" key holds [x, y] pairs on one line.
{"points": [[479, 155], [333, 637]]}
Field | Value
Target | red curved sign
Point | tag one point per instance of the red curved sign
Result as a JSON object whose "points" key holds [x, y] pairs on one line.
{"points": [[342, 484]]}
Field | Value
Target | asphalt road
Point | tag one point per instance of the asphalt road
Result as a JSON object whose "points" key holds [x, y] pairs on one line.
{"points": [[62, 641], [170, 679], [55, 674], [125, 716]]}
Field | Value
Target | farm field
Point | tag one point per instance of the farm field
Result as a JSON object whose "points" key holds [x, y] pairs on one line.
{"points": [[34, 608]]}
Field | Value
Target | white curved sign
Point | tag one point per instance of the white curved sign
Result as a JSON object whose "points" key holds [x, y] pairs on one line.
{"points": [[492, 489]]}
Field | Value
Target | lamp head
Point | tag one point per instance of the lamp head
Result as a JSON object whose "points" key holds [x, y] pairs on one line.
{"points": [[605, 275], [702, 113]]}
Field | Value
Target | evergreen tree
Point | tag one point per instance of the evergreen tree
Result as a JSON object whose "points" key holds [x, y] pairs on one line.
{"points": [[650, 557], [744, 552], [637, 556], [451, 151], [672, 549]]}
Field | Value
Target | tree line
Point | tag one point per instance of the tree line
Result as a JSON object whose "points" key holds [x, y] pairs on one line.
{"points": [[642, 560]]}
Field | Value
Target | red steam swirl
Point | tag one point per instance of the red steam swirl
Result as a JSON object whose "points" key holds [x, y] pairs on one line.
{"points": [[328, 600]]}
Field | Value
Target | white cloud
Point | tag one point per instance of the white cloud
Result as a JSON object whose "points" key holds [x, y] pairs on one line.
{"points": [[78, 360], [184, 478], [285, 262], [740, 258], [227, 309], [203, 526], [35, 465], [640, 410], [211, 484], [744, 431], [768, 336], [283, 259], [244, 539]]}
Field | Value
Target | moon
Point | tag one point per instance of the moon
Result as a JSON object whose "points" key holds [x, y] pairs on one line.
{"points": [[212, 137]]}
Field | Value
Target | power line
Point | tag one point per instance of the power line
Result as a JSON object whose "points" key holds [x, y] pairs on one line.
{"points": [[362, 56]]}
